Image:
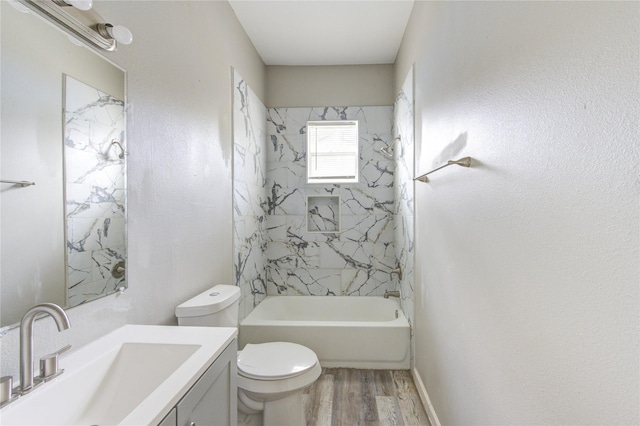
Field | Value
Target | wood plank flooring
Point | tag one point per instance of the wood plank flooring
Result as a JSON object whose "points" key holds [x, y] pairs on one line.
{"points": [[348, 397]]}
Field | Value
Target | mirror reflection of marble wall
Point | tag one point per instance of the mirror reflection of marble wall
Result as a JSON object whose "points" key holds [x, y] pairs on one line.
{"points": [[94, 156], [35, 58]]}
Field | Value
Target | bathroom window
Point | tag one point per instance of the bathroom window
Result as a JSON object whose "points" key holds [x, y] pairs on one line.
{"points": [[332, 151]]}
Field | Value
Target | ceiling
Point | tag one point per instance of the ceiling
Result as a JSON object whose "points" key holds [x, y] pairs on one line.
{"points": [[324, 32]]}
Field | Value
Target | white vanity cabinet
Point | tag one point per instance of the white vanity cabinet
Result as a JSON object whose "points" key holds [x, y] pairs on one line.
{"points": [[212, 400], [171, 419]]}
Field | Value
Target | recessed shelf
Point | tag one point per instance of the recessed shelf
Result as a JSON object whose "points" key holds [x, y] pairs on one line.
{"points": [[323, 213]]}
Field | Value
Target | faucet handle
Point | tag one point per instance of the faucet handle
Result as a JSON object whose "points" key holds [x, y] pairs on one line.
{"points": [[6, 391], [49, 365]]}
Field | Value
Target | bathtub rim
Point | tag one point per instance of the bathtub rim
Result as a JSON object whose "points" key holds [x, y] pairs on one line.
{"points": [[254, 319], [402, 326]]}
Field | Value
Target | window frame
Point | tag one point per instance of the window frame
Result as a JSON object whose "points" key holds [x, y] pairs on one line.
{"points": [[310, 153]]}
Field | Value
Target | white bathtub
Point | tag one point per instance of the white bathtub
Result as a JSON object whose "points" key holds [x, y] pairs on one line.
{"points": [[344, 331]]}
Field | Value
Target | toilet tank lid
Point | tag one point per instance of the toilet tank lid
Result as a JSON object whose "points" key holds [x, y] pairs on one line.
{"points": [[210, 301]]}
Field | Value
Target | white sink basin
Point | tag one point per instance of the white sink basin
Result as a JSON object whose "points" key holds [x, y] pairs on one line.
{"points": [[134, 375]]}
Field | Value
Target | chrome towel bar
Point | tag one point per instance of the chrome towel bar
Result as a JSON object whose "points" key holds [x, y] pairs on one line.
{"points": [[18, 182], [464, 162]]}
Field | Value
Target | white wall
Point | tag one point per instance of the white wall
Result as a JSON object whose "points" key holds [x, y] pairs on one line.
{"points": [[179, 176], [335, 85], [527, 264]]}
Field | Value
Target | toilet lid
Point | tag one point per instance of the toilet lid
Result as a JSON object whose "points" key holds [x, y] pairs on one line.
{"points": [[275, 360]]}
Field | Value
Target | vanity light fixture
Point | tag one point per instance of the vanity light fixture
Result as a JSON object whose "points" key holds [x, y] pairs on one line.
{"points": [[119, 33], [78, 4], [76, 18], [18, 6]]}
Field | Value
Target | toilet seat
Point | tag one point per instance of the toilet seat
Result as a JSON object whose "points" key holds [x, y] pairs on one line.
{"points": [[275, 360]]}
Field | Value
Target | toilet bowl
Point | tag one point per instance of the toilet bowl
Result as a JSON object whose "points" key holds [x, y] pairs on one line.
{"points": [[271, 376]]}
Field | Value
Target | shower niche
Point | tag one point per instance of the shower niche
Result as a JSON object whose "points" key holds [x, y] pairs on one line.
{"points": [[323, 214]]}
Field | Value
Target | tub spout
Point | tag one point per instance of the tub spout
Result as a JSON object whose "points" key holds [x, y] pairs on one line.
{"points": [[394, 293]]}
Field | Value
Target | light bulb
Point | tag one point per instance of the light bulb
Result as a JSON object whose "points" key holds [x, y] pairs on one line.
{"points": [[120, 33], [80, 4]]}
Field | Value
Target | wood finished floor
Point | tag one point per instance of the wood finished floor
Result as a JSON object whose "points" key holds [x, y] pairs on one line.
{"points": [[347, 397]]}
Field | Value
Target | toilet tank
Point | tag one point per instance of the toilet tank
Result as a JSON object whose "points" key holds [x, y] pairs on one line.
{"points": [[216, 307]]}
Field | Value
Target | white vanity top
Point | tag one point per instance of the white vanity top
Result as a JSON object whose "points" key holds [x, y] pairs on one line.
{"points": [[134, 375]]}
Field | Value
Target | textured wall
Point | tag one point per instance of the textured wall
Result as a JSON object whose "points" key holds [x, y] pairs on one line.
{"points": [[179, 167], [527, 263]]}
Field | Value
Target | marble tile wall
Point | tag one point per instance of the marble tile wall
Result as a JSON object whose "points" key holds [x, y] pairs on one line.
{"points": [[403, 187], [275, 253], [354, 261], [94, 189], [249, 195]]}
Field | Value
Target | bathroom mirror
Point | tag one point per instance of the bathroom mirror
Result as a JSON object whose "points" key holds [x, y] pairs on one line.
{"points": [[62, 129]]}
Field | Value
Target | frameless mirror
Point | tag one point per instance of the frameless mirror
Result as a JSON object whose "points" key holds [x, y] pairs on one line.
{"points": [[62, 128]]}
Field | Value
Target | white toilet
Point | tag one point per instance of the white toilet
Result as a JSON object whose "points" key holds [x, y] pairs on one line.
{"points": [[271, 376]]}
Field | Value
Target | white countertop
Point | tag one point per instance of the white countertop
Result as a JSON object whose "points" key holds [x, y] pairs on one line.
{"points": [[87, 390]]}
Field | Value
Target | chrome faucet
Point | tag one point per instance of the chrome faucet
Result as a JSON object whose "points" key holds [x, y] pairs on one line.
{"points": [[393, 293], [26, 339]]}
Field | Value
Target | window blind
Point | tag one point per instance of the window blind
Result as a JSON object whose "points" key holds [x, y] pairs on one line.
{"points": [[332, 151]]}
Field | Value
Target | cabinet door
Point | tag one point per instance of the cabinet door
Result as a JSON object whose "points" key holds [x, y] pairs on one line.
{"points": [[212, 401], [170, 420]]}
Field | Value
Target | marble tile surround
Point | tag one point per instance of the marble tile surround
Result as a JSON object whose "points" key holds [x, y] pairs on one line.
{"points": [[403, 187], [95, 191], [249, 195], [356, 260], [273, 251]]}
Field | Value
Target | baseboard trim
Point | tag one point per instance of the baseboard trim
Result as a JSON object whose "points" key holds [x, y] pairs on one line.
{"points": [[424, 396]]}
